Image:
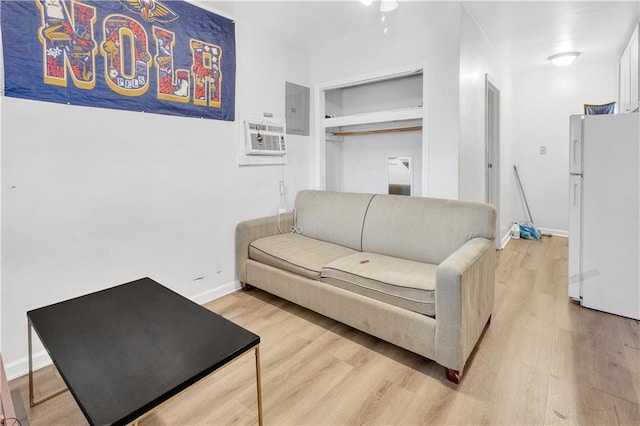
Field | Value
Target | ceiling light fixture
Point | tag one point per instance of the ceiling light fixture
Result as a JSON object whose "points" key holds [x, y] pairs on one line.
{"points": [[563, 59], [388, 5]]}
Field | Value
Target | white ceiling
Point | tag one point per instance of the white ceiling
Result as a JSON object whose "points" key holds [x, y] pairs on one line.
{"points": [[302, 22], [523, 33]]}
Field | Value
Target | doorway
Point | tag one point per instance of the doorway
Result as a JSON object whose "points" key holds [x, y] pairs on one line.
{"points": [[492, 147]]}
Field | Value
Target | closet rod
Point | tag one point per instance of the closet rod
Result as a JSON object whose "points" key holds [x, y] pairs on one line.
{"points": [[373, 132]]}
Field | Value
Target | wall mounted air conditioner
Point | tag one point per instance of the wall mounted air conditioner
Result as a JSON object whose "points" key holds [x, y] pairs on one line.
{"points": [[265, 137]]}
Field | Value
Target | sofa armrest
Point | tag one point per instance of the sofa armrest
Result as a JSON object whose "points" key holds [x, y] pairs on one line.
{"points": [[251, 230], [464, 301]]}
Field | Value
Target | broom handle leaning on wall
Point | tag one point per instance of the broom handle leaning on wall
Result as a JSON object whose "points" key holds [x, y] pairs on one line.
{"points": [[523, 195]]}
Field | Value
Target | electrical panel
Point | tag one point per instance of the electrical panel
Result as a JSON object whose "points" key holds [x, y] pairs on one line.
{"points": [[297, 109], [265, 137]]}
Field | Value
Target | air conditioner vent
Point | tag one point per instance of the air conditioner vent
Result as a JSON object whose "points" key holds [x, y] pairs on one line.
{"points": [[265, 137]]}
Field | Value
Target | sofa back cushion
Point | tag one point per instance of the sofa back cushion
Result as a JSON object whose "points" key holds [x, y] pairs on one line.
{"points": [[335, 217], [424, 229]]}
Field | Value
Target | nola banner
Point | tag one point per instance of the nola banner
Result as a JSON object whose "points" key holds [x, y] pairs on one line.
{"points": [[164, 57]]}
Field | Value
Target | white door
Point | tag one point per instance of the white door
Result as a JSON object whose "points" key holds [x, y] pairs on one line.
{"points": [[576, 123], [492, 148], [575, 235], [611, 208]]}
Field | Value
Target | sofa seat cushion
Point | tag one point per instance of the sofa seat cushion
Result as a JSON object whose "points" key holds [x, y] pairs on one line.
{"points": [[403, 283], [296, 253]]}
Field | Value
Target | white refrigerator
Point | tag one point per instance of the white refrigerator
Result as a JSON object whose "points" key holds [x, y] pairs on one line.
{"points": [[604, 212]]}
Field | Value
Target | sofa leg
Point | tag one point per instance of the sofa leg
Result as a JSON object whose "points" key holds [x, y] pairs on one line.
{"points": [[452, 375], [246, 287]]}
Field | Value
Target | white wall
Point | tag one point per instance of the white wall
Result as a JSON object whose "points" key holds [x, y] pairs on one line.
{"points": [[543, 101], [92, 198], [509, 200], [429, 32], [397, 93], [363, 160], [478, 58]]}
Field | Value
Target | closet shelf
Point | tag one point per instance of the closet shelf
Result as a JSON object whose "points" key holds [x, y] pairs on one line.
{"points": [[374, 117], [376, 131]]}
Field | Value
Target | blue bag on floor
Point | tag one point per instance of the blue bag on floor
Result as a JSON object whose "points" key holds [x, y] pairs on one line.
{"points": [[529, 232]]}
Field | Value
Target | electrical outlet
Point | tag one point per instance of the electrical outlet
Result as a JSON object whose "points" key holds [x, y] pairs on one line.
{"points": [[543, 150]]}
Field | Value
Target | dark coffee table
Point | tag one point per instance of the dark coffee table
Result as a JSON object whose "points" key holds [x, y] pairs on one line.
{"points": [[126, 350]]}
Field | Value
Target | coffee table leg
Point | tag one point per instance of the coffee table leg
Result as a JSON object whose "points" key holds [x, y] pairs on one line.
{"points": [[259, 385], [31, 404], [32, 400]]}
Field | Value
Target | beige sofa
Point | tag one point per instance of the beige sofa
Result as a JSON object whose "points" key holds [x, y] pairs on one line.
{"points": [[416, 272]]}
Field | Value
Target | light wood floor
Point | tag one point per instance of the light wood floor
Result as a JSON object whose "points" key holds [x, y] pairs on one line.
{"points": [[542, 360]]}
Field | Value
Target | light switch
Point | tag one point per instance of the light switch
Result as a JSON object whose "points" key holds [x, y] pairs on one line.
{"points": [[543, 150]]}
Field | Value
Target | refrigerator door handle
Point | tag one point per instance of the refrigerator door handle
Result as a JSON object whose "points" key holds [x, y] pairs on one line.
{"points": [[576, 132]]}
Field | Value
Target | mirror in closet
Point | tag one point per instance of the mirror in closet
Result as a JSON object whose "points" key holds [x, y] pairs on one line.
{"points": [[400, 176]]}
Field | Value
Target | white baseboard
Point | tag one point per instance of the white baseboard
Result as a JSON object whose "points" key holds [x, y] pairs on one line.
{"points": [[545, 231], [20, 367], [41, 359], [555, 232], [505, 240], [217, 292]]}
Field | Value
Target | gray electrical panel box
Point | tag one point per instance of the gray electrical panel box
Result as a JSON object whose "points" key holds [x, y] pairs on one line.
{"points": [[297, 109]]}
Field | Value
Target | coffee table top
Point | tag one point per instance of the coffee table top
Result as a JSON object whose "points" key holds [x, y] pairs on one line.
{"points": [[125, 350]]}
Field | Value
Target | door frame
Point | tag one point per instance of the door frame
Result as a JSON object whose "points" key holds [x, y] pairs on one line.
{"points": [[492, 148]]}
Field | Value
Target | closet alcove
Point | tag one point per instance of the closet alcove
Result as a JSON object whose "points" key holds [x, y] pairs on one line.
{"points": [[364, 121]]}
